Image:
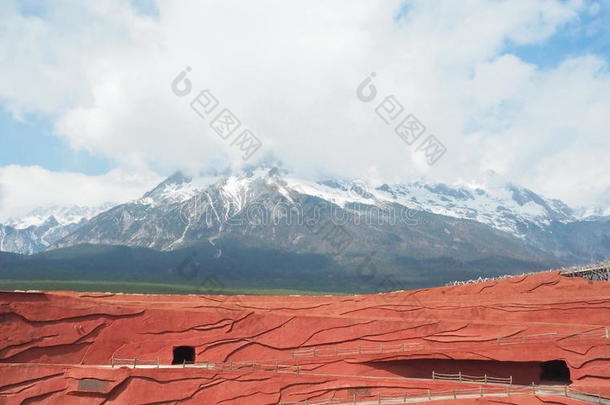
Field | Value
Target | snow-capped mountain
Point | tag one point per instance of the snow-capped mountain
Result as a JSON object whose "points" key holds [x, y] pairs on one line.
{"points": [[509, 208], [488, 218], [63, 215], [504, 206], [493, 219], [175, 189], [41, 228]]}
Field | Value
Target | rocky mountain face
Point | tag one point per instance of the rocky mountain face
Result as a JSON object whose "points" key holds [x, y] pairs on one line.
{"points": [[416, 225], [42, 228]]}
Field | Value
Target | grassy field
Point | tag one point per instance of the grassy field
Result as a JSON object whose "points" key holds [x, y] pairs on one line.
{"points": [[140, 288]]}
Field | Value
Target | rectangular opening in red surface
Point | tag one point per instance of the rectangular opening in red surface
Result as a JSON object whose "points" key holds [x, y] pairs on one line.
{"points": [[184, 355], [550, 372]]}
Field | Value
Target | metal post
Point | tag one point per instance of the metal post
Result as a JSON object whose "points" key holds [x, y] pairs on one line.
{"points": [[481, 391], [354, 398], [379, 398], [460, 375], [485, 378], [607, 335], [454, 395], [565, 390], [135, 361], [112, 361], [429, 394], [533, 388], [432, 375], [183, 363], [157, 362], [406, 395]]}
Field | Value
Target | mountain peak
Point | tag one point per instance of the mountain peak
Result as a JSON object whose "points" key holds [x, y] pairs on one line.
{"points": [[178, 178], [176, 188], [199, 206]]}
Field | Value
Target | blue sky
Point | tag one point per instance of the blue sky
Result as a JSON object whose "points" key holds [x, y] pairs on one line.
{"points": [[519, 87], [31, 141], [589, 34]]}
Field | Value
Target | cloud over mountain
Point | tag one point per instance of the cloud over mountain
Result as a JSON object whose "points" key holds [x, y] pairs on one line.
{"points": [[101, 71]]}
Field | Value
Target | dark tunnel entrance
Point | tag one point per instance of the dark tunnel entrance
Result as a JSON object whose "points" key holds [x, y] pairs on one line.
{"points": [[184, 354], [522, 372], [555, 371]]}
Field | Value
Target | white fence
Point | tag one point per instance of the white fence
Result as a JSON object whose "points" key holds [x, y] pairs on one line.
{"points": [[245, 366], [428, 395], [133, 362], [383, 348], [485, 379], [601, 333], [213, 365], [346, 351], [603, 268]]}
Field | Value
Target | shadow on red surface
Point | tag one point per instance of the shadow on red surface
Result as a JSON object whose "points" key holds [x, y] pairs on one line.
{"points": [[524, 373]]}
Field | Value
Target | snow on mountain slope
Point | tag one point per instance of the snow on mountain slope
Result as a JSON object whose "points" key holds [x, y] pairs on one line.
{"points": [[175, 189], [64, 215], [506, 208], [42, 227], [200, 207], [496, 203], [501, 205]]}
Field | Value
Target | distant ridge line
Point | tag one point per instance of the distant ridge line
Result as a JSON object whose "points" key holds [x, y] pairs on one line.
{"points": [[595, 271]]}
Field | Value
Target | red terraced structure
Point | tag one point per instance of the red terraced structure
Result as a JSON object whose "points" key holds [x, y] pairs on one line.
{"points": [[102, 348]]}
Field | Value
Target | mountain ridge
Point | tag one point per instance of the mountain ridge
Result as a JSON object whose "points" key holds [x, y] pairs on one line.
{"points": [[469, 223]]}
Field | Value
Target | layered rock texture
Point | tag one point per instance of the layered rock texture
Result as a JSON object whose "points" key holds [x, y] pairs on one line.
{"points": [[472, 343]]}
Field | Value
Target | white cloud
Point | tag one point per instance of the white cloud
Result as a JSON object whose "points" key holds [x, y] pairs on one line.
{"points": [[24, 188], [289, 71]]}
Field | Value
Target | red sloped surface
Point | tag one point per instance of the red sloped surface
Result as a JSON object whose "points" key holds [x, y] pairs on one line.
{"points": [[57, 347]]}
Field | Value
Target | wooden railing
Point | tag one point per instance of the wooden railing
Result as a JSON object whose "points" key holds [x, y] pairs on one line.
{"points": [[485, 379], [346, 351], [601, 332], [214, 365], [274, 367], [315, 352], [429, 395], [133, 362], [508, 389], [594, 271]]}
